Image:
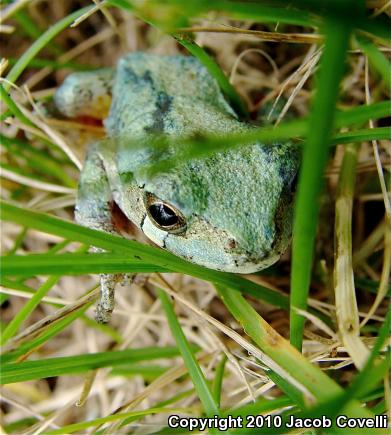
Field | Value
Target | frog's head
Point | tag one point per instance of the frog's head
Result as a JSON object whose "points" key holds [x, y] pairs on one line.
{"points": [[229, 212]]}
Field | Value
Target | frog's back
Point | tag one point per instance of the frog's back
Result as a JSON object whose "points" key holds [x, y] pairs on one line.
{"points": [[171, 95], [165, 94]]}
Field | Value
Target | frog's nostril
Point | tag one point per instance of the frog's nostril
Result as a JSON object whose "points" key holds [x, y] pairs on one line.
{"points": [[232, 244]]}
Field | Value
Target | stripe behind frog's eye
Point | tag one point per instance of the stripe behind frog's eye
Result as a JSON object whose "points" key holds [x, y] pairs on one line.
{"points": [[163, 215]]}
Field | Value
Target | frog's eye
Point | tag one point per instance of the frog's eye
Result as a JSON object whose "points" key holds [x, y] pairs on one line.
{"points": [[164, 215]]}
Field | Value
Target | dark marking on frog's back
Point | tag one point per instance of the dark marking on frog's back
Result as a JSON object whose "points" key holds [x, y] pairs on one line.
{"points": [[163, 101], [163, 106], [130, 76]]}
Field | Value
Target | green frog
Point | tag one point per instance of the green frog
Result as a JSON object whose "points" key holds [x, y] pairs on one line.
{"points": [[230, 211]]}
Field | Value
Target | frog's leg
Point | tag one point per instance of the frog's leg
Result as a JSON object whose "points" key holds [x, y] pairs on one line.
{"points": [[94, 210], [86, 94]]}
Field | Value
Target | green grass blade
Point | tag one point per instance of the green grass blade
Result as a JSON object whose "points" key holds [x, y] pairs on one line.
{"points": [[32, 303], [148, 371], [23, 177], [276, 347], [73, 264], [379, 27], [218, 380], [75, 427], [266, 13], [13, 107], [55, 64], [27, 309], [44, 368], [366, 134], [16, 285], [377, 60], [164, 404], [241, 10], [295, 395], [306, 13], [203, 146], [361, 114], [199, 381], [28, 26], [311, 174], [17, 242]]}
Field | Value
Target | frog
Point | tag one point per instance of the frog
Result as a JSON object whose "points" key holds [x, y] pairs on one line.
{"points": [[229, 211]]}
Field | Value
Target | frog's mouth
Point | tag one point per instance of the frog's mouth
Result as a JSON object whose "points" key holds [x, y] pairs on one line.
{"points": [[216, 258], [213, 253], [245, 268]]}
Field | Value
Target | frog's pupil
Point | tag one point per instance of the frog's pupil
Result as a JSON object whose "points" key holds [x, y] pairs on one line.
{"points": [[163, 215]]}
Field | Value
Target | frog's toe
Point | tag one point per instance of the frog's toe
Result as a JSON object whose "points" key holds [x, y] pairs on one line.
{"points": [[102, 314]]}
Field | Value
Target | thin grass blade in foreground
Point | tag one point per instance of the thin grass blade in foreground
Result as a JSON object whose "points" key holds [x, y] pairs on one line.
{"points": [[218, 380], [203, 146], [38, 160], [74, 264], [199, 381], [377, 59], [75, 427], [315, 155], [28, 308], [28, 370], [13, 107]]}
